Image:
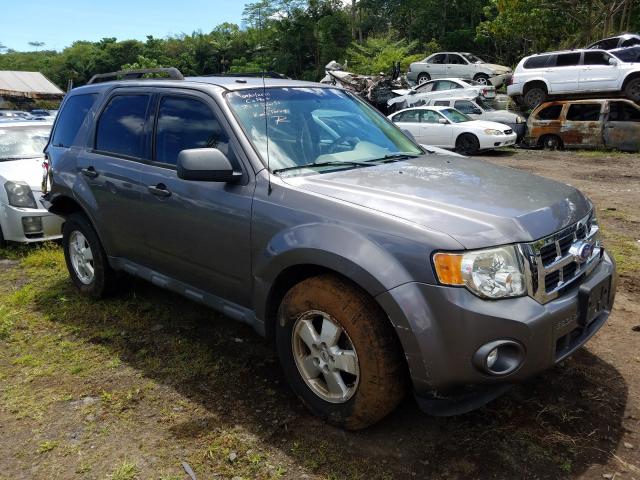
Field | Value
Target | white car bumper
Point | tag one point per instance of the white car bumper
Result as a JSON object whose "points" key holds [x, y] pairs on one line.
{"points": [[514, 90], [488, 142], [498, 80], [27, 225]]}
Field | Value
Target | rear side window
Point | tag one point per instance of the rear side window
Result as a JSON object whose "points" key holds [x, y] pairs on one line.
{"points": [[630, 42], [121, 126], [441, 103], [185, 123], [606, 44], [71, 117], [446, 85], [456, 60], [584, 112], [622, 112], [536, 62], [410, 116], [596, 58], [551, 112], [465, 106], [567, 59]]}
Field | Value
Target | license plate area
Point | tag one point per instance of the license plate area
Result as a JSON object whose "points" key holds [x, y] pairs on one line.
{"points": [[592, 301]]}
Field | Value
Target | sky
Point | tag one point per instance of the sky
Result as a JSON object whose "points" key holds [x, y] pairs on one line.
{"points": [[58, 23]]}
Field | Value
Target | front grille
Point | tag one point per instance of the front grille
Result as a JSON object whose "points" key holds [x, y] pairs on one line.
{"points": [[508, 131], [553, 263]]}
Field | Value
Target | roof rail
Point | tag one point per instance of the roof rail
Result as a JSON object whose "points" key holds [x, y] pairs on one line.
{"points": [[268, 74], [172, 72]]}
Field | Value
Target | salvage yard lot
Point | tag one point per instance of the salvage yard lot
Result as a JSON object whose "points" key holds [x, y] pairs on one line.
{"points": [[133, 386]]}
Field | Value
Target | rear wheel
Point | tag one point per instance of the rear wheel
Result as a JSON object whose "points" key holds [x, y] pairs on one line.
{"points": [[482, 79], [339, 352], [550, 142], [423, 77], [85, 258], [632, 89], [534, 97], [467, 144]]}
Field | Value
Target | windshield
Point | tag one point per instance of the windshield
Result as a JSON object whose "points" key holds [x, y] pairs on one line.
{"points": [[484, 104], [472, 58], [316, 125], [454, 116], [23, 142]]}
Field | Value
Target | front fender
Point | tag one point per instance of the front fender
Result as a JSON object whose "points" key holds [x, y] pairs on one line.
{"points": [[334, 247]]}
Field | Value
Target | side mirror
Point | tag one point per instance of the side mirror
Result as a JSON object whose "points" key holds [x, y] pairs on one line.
{"points": [[205, 164], [442, 121], [477, 111], [613, 61]]}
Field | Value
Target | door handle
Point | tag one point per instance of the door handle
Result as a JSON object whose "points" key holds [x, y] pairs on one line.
{"points": [[89, 172], [159, 190]]}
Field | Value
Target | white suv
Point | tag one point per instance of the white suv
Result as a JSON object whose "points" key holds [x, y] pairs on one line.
{"points": [[575, 72]]}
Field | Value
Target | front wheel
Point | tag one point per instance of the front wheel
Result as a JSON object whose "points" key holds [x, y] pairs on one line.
{"points": [[339, 352], [423, 77], [482, 79], [467, 144], [632, 89], [550, 142], [85, 258]]}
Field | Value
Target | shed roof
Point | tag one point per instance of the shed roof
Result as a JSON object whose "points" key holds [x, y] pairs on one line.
{"points": [[27, 84]]}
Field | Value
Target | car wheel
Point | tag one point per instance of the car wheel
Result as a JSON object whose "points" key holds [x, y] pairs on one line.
{"points": [[423, 77], [85, 258], [550, 142], [3, 242], [632, 89], [467, 144], [482, 79], [339, 352], [534, 97]]}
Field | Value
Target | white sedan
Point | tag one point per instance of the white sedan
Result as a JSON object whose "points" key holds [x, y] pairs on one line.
{"points": [[441, 88], [446, 127], [22, 216]]}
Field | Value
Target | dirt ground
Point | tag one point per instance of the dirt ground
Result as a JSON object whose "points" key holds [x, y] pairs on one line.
{"points": [[136, 385]]}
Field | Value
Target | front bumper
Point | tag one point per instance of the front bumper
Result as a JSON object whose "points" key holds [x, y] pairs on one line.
{"points": [[441, 328], [499, 80], [11, 221], [497, 141]]}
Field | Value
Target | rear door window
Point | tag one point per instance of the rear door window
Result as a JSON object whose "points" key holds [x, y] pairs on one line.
{"points": [[567, 59], [410, 116], [623, 112], [439, 58], [551, 112], [70, 119], [120, 127], [584, 112], [185, 123], [606, 44], [456, 59], [446, 85]]}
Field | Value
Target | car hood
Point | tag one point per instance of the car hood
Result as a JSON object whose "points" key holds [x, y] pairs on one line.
{"points": [[475, 202], [27, 170], [499, 69]]}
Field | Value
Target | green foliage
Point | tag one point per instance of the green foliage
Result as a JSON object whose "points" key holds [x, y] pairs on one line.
{"points": [[378, 54]]}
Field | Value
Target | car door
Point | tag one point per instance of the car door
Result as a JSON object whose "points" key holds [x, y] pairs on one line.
{"points": [[409, 120], [564, 75], [436, 65], [110, 168], [622, 126], [458, 67], [583, 125], [597, 74], [196, 232], [433, 131]]}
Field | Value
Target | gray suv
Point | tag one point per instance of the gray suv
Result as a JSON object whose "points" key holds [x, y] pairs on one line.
{"points": [[373, 264]]}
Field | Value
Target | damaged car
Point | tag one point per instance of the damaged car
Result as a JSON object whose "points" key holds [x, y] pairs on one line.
{"points": [[458, 64], [585, 124]]}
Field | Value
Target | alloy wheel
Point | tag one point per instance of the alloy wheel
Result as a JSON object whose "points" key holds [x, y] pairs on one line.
{"points": [[81, 257]]}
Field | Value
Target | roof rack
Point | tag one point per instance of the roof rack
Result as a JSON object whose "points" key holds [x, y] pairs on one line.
{"points": [[249, 74], [172, 72]]}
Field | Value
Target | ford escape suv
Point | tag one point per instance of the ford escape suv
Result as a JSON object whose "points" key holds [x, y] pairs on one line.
{"points": [[295, 207]]}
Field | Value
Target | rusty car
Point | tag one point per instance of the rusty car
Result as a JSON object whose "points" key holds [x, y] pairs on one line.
{"points": [[604, 123]]}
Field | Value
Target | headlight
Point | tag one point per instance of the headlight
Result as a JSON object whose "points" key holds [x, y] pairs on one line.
{"points": [[520, 119], [491, 273], [491, 131], [20, 195]]}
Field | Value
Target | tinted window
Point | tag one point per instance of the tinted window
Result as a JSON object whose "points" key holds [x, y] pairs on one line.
{"points": [[439, 58], [456, 60], [606, 44], [185, 123], [623, 112], [121, 126], [465, 106], [584, 112], [567, 59], [71, 117], [630, 42], [411, 116], [630, 54], [551, 112], [596, 58], [536, 62], [441, 103]]}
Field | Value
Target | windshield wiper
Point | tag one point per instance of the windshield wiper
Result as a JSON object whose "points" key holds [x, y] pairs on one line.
{"points": [[393, 156], [325, 164]]}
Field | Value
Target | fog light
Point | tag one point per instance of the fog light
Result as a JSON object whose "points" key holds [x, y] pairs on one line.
{"points": [[499, 358], [31, 225]]}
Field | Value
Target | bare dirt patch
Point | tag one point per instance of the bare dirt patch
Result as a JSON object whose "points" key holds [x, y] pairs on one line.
{"points": [[135, 385]]}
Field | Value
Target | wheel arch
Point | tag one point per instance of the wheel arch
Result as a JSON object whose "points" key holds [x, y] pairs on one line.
{"points": [[538, 82], [628, 78], [64, 206]]}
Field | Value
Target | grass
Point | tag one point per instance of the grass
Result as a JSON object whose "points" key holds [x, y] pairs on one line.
{"points": [[126, 471]]}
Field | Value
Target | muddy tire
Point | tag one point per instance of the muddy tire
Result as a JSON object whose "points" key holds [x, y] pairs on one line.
{"points": [[632, 90], [339, 352], [423, 77], [550, 142], [85, 258], [482, 79], [534, 97], [467, 144]]}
